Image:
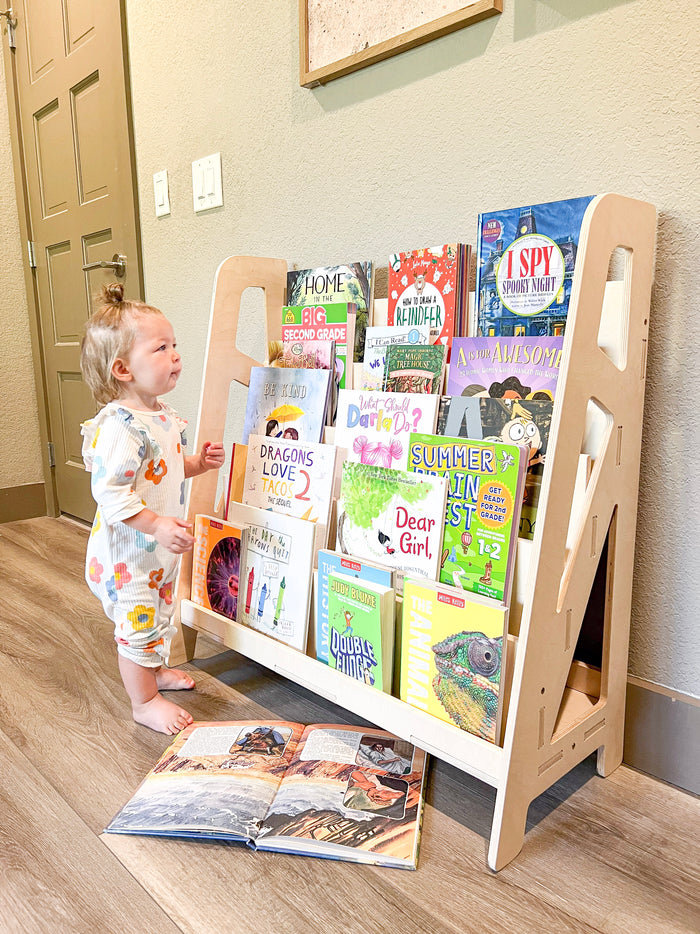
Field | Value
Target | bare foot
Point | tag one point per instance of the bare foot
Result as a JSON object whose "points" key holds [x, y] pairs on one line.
{"points": [[161, 715], [172, 679]]}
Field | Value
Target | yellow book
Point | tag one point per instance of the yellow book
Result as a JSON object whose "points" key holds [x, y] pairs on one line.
{"points": [[453, 655]]}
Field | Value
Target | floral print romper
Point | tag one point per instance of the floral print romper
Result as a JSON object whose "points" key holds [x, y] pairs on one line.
{"points": [[136, 459]]}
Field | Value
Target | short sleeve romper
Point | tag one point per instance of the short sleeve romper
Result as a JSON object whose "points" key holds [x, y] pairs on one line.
{"points": [[136, 460]]}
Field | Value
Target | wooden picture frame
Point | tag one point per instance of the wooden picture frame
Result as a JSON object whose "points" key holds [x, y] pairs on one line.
{"points": [[314, 66]]}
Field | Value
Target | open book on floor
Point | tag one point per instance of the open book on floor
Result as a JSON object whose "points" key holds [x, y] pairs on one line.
{"points": [[325, 790]]}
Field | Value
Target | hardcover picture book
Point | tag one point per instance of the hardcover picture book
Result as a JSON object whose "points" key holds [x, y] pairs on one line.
{"points": [[392, 517], [325, 285], [526, 422], [286, 403], [485, 490], [361, 630], [429, 287], [290, 477], [377, 342], [331, 321], [453, 656], [414, 368], [325, 790], [374, 427], [277, 554], [332, 562], [216, 562], [505, 367], [308, 355], [525, 262]]}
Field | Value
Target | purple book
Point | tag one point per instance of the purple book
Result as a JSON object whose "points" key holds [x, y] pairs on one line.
{"points": [[505, 367]]}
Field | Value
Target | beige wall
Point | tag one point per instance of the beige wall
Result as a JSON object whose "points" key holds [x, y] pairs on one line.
{"points": [[20, 460]]}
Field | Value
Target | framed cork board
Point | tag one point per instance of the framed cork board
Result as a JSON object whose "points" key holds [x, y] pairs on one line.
{"points": [[337, 37]]}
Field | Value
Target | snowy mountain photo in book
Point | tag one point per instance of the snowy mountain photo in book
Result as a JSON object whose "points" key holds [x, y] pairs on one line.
{"points": [[325, 790], [525, 263], [505, 367], [453, 656], [286, 403], [484, 499], [393, 517]]}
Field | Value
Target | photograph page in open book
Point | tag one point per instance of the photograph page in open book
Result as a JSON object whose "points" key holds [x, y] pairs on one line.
{"points": [[453, 656], [525, 261], [374, 427], [286, 403], [393, 517], [485, 489], [324, 790], [514, 421]]}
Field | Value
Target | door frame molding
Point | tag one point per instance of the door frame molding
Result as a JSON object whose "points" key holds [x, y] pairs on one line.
{"points": [[25, 230], [30, 285]]}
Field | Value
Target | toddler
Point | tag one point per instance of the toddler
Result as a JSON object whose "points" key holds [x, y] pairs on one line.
{"points": [[134, 449]]}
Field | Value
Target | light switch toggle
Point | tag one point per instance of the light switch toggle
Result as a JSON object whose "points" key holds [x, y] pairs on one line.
{"points": [[160, 193], [207, 191]]}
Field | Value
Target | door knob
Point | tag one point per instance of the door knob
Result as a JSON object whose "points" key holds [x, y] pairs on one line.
{"points": [[118, 264]]}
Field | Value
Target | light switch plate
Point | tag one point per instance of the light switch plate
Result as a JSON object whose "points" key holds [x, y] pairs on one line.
{"points": [[207, 191], [160, 193]]}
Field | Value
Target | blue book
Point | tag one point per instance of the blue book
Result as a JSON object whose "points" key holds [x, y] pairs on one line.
{"points": [[331, 562], [525, 259]]}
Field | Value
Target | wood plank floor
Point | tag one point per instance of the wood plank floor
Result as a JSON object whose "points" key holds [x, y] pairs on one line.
{"points": [[612, 855]]}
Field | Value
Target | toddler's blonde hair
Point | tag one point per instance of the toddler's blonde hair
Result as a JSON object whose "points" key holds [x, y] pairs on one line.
{"points": [[109, 334]]}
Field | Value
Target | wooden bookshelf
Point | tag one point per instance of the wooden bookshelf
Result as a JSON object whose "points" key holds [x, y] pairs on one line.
{"points": [[558, 710]]}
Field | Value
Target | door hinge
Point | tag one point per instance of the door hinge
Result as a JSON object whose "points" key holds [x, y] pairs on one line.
{"points": [[52, 454], [32, 253]]}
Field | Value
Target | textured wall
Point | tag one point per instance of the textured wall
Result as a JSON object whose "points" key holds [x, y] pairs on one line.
{"points": [[550, 100], [20, 461]]}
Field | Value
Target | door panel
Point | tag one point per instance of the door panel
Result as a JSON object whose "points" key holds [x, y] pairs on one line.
{"points": [[74, 124]]}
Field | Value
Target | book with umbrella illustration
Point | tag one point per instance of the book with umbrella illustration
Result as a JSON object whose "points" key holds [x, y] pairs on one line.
{"points": [[286, 403]]}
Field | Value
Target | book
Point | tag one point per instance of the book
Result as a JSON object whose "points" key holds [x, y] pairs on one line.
{"points": [[453, 656], [519, 421], [324, 790], [290, 477], [334, 321], [505, 367], [415, 368], [392, 517], [525, 261], [348, 282], [374, 427], [361, 630], [216, 562], [286, 403], [333, 562], [484, 499], [377, 341], [429, 286], [308, 355], [276, 566]]}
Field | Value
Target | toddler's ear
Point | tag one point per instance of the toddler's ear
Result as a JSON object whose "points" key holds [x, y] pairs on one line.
{"points": [[121, 371]]}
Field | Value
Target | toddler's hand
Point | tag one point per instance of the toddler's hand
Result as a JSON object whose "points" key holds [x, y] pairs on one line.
{"points": [[172, 534], [212, 456]]}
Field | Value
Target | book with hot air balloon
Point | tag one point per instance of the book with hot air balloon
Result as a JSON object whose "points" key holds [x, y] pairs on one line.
{"points": [[286, 403], [484, 498]]}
